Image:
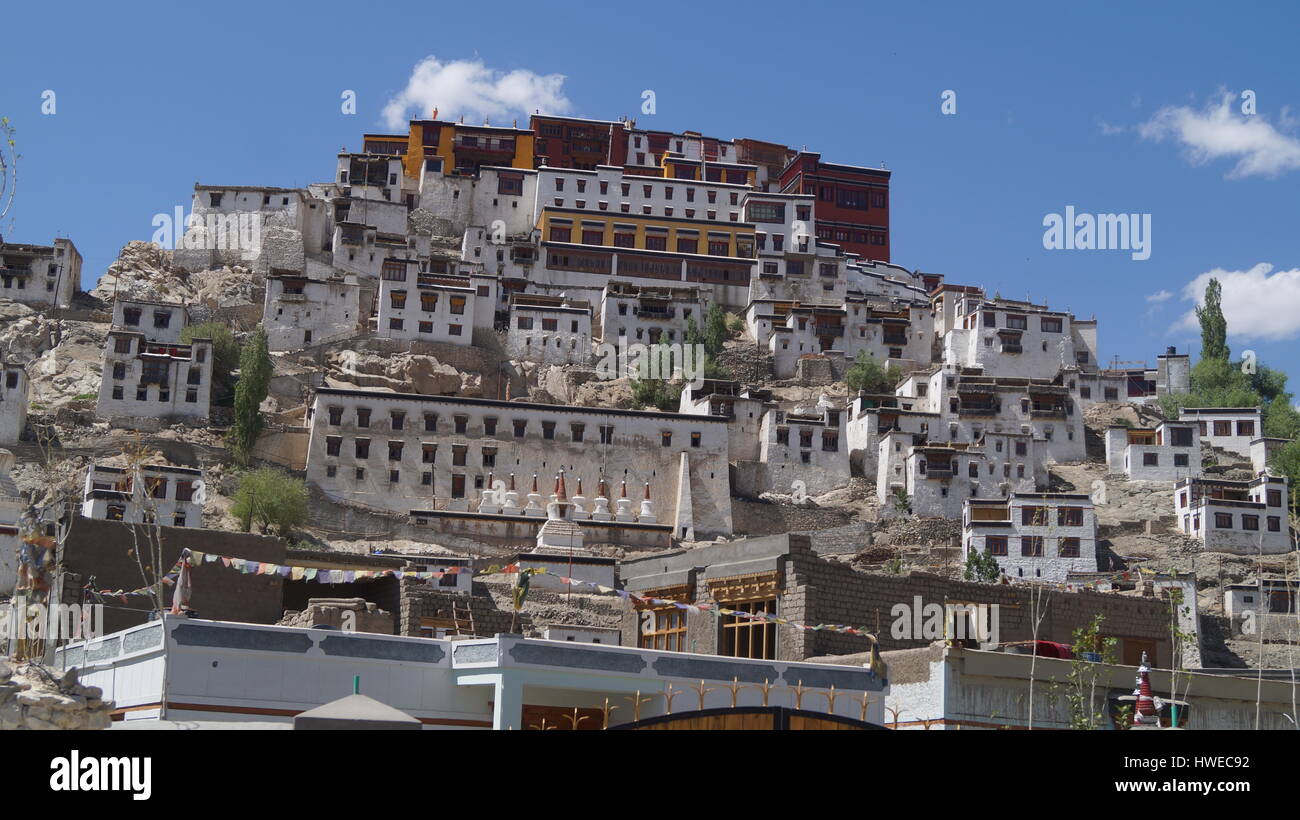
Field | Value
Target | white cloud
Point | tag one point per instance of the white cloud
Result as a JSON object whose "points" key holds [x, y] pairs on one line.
{"points": [[470, 88], [1258, 303], [1108, 130], [1220, 130], [1159, 296]]}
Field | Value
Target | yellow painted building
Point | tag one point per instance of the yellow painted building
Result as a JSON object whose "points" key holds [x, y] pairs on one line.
{"points": [[649, 233], [464, 148]]}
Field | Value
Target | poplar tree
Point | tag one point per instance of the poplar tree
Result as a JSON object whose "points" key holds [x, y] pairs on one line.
{"points": [[1214, 328], [250, 392]]}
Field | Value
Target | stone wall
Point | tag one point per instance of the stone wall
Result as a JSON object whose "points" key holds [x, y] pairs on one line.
{"points": [[365, 616], [815, 591], [33, 697], [423, 600]]}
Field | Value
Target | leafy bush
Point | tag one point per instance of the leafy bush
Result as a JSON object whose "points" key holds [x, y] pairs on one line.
{"points": [[274, 499], [982, 566]]}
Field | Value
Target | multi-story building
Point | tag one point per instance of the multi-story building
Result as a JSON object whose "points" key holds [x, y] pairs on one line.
{"points": [[1170, 451], [301, 312], [152, 494], [744, 408], [438, 309], [549, 329], [1009, 338], [400, 452], [265, 228], [852, 202], [934, 480], [149, 376], [603, 224], [893, 335], [1229, 428], [570, 142], [1140, 385], [1037, 536], [40, 275], [802, 452], [648, 314], [1242, 517], [454, 147], [13, 403], [970, 403]]}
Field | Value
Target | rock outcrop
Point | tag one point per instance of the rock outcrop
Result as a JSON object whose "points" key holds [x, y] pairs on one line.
{"points": [[34, 697]]}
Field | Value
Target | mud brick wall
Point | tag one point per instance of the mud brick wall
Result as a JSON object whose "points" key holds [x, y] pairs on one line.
{"points": [[815, 591], [423, 600], [105, 550]]}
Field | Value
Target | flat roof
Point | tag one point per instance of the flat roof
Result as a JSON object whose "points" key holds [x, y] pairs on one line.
{"points": [[519, 405]]}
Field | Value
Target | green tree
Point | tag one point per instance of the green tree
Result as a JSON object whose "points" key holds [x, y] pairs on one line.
{"points": [[867, 375], [1221, 383], [1087, 707], [225, 351], [662, 394], [982, 566], [250, 392], [715, 330], [692, 335], [274, 499], [1286, 461], [1214, 328]]}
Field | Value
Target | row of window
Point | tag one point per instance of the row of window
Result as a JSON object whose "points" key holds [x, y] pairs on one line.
{"points": [[653, 241], [1037, 516], [428, 302], [526, 323], [1153, 460], [142, 394], [1032, 546], [648, 191], [1016, 321], [830, 439], [739, 636], [156, 373], [1225, 521], [459, 452], [424, 327], [460, 425], [117, 512], [1224, 428]]}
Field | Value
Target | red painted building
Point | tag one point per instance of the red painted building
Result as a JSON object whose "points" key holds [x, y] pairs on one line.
{"points": [[569, 142], [852, 208]]}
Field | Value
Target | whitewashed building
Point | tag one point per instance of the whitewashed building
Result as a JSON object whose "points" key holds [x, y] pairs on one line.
{"points": [[13, 403], [802, 452], [1006, 338], [744, 408], [264, 228], [649, 315], [931, 480], [149, 376], [40, 275], [549, 329], [301, 312], [1170, 451], [1228, 428], [1033, 536], [402, 452], [154, 494], [1241, 517], [437, 309], [893, 335]]}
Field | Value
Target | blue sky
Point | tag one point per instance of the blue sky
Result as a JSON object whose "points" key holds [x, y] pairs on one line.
{"points": [[1109, 107]]}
